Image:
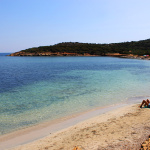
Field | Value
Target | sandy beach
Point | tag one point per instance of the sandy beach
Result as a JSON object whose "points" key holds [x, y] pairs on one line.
{"points": [[123, 128]]}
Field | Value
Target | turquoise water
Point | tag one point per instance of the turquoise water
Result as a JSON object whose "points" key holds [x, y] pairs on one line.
{"points": [[37, 89]]}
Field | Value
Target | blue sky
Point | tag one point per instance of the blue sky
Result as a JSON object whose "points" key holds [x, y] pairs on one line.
{"points": [[32, 23]]}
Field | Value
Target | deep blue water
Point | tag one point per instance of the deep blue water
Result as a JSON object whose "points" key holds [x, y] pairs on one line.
{"points": [[35, 89]]}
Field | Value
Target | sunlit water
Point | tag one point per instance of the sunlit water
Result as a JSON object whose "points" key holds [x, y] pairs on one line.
{"points": [[36, 89]]}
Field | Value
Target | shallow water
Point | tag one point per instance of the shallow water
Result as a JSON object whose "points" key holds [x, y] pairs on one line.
{"points": [[36, 89]]}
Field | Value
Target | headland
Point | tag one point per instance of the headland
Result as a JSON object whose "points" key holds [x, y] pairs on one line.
{"points": [[133, 49]]}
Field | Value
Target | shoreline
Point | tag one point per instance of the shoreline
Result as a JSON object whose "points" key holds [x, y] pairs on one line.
{"points": [[123, 128], [35, 132], [125, 56]]}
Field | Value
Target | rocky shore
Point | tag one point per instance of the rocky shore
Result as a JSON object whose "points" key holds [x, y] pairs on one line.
{"points": [[49, 54], [130, 56]]}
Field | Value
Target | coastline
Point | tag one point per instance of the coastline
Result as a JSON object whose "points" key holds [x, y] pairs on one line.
{"points": [[65, 54], [38, 131], [71, 104], [118, 126]]}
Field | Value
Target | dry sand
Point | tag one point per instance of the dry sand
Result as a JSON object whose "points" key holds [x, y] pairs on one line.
{"points": [[123, 128]]}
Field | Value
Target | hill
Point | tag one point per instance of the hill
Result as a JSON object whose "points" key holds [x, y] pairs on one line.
{"points": [[139, 48]]}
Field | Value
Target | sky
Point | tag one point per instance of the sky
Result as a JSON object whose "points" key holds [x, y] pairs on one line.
{"points": [[32, 23]]}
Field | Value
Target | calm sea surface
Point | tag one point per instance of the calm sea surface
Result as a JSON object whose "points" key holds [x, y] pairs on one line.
{"points": [[36, 89]]}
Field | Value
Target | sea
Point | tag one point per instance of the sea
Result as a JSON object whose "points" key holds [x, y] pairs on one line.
{"points": [[38, 89]]}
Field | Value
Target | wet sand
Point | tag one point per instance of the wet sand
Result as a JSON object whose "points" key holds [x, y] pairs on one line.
{"points": [[41, 130], [123, 128]]}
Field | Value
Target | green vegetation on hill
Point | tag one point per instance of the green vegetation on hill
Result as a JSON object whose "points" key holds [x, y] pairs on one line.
{"points": [[135, 47]]}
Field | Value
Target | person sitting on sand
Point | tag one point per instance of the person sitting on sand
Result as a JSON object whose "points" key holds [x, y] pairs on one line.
{"points": [[145, 103]]}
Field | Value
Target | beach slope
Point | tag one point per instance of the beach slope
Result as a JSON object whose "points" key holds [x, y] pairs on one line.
{"points": [[123, 128]]}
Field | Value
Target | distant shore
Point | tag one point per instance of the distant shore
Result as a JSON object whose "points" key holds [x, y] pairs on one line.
{"points": [[123, 128], [139, 48], [130, 56]]}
